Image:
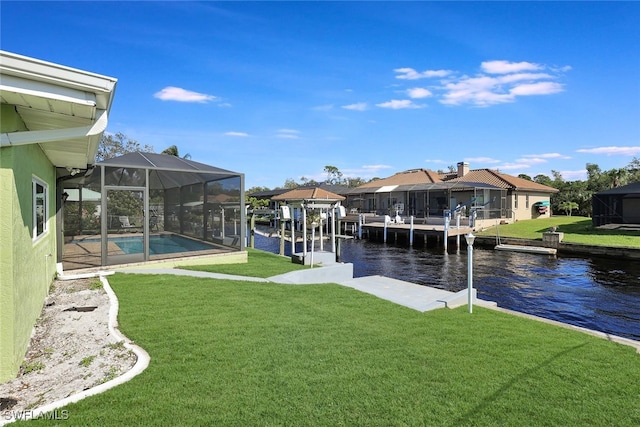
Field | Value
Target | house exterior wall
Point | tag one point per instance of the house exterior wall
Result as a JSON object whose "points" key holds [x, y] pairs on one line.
{"points": [[522, 204], [27, 267]]}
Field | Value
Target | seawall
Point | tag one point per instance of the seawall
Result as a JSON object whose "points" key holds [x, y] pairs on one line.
{"points": [[566, 248]]}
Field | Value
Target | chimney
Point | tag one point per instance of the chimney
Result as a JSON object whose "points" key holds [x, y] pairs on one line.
{"points": [[463, 169]]}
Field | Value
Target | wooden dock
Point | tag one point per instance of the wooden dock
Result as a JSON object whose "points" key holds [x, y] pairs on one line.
{"points": [[418, 233]]}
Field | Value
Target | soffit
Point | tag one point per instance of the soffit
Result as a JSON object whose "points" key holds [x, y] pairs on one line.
{"points": [[50, 97]]}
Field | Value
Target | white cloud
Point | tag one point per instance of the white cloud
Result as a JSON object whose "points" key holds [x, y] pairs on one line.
{"points": [[513, 166], [242, 134], [532, 160], [172, 93], [360, 106], [419, 92], [487, 90], [541, 88], [366, 171], [580, 175], [288, 134], [498, 82], [411, 74], [399, 104], [376, 167], [519, 77], [612, 151], [547, 156], [471, 160], [505, 67]]}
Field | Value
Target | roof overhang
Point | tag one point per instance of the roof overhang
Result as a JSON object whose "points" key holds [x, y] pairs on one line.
{"points": [[64, 110]]}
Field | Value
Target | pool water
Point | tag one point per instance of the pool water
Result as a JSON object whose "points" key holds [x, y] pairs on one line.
{"points": [[161, 244]]}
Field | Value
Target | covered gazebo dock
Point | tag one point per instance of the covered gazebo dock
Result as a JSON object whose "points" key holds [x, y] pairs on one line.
{"points": [[310, 208]]}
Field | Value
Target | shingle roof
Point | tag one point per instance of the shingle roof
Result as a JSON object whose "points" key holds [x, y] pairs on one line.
{"points": [[502, 180], [413, 176], [313, 193]]}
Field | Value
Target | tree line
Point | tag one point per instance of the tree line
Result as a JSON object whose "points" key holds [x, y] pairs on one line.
{"points": [[573, 197]]}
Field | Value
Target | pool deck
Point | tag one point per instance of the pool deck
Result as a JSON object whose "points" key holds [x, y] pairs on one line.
{"points": [[82, 252]]}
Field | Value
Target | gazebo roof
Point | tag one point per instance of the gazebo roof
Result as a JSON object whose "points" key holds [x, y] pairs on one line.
{"points": [[309, 194]]}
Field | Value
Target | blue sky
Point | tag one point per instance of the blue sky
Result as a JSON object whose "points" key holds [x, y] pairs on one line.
{"points": [[280, 90]]}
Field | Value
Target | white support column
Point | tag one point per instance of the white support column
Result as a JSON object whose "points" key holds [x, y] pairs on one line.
{"points": [[304, 233], [334, 220], [411, 231]]}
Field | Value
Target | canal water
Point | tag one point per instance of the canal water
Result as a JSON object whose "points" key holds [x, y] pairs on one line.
{"points": [[596, 293]]}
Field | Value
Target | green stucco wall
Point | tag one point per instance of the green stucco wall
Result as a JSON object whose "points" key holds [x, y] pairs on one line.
{"points": [[27, 268]]}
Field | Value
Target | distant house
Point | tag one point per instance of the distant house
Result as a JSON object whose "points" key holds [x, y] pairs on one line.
{"points": [[51, 120], [424, 193], [620, 205], [523, 199]]}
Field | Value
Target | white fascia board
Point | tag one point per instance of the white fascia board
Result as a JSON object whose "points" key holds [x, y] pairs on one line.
{"points": [[23, 67], [41, 136], [35, 69], [46, 90]]}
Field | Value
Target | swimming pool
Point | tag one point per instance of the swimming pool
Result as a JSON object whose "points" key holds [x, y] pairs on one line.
{"points": [[160, 244]]}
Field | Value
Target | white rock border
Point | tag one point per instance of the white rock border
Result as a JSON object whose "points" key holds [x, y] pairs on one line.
{"points": [[141, 364]]}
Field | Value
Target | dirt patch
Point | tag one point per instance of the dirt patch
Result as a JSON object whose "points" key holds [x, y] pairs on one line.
{"points": [[70, 351]]}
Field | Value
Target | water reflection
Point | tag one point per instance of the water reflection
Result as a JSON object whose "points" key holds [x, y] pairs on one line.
{"points": [[595, 293]]}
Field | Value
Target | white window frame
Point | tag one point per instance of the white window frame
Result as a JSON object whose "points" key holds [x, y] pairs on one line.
{"points": [[35, 182], [515, 201]]}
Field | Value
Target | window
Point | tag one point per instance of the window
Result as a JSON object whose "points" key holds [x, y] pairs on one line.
{"points": [[526, 201], [515, 200], [40, 195]]}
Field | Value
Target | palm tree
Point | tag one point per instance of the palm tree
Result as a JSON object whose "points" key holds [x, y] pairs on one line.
{"points": [[173, 151], [567, 207]]}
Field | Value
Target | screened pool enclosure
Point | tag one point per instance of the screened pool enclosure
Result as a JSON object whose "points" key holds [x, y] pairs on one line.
{"points": [[145, 206]]}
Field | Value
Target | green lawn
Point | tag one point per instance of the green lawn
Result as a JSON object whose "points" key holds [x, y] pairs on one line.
{"points": [[261, 264], [244, 354], [575, 229]]}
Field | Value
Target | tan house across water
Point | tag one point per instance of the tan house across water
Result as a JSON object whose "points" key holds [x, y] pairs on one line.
{"points": [[423, 193]]}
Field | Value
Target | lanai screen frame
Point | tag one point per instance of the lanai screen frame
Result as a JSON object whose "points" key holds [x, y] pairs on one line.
{"points": [[195, 184]]}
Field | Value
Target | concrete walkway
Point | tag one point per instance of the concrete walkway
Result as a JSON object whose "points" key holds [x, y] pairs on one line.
{"points": [[411, 295]]}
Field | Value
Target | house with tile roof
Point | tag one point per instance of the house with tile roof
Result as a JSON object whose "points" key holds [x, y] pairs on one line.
{"points": [[524, 199], [424, 194]]}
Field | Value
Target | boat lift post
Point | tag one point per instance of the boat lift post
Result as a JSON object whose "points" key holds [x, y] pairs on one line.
{"points": [[411, 231], [447, 220], [384, 234], [474, 212]]}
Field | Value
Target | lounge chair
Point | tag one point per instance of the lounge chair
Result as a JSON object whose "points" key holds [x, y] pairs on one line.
{"points": [[124, 222]]}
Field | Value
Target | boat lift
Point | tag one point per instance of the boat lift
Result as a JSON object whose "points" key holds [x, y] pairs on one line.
{"points": [[447, 221]]}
